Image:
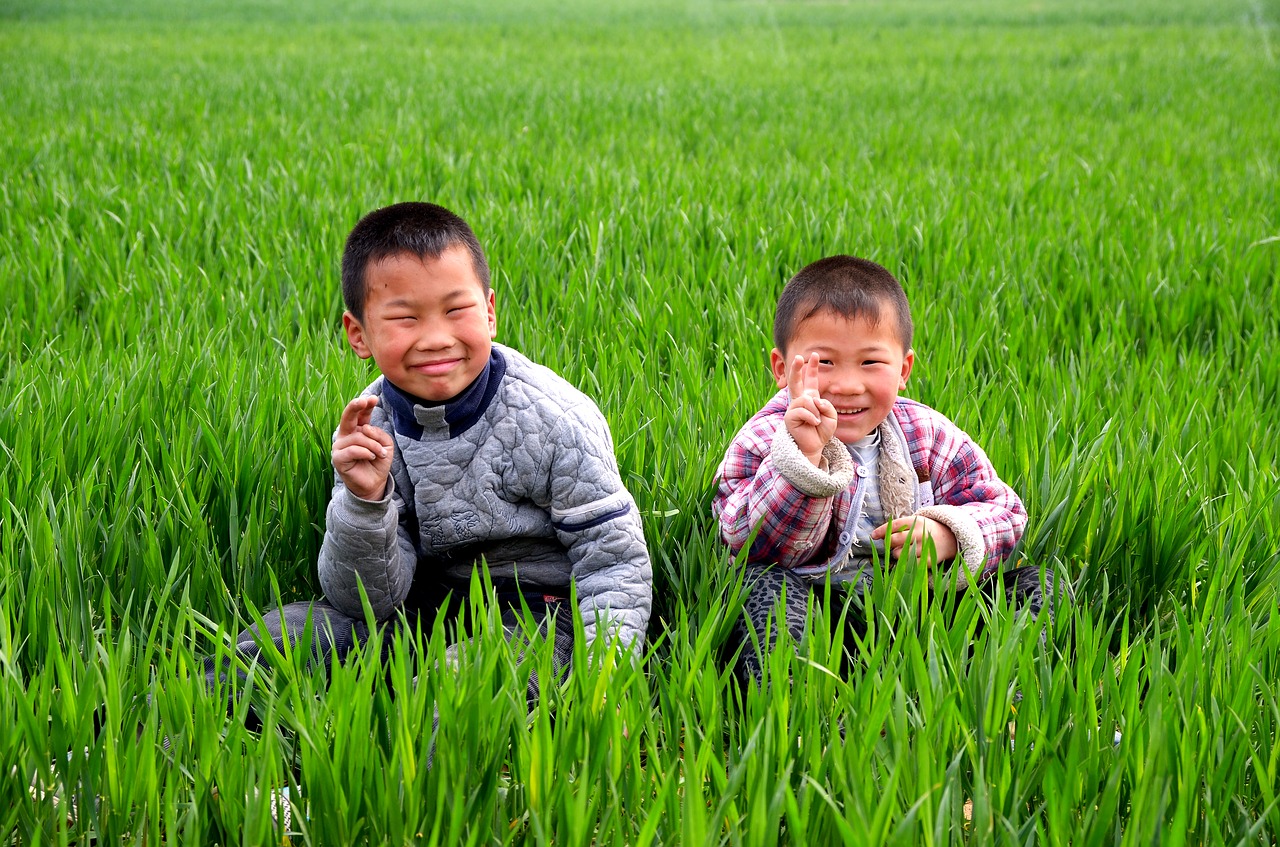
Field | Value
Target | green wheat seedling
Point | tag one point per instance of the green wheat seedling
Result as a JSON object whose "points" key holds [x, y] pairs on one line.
{"points": [[1080, 199]]}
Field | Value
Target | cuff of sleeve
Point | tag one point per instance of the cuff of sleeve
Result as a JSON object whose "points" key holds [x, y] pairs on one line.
{"points": [[973, 548], [357, 510], [801, 473]]}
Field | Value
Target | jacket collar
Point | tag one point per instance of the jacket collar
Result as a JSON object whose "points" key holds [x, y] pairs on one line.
{"points": [[411, 415]]}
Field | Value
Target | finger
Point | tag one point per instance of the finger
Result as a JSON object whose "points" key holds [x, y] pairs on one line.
{"points": [[355, 414], [808, 409], [352, 455], [801, 417], [827, 409], [360, 439], [894, 531], [795, 376], [352, 413], [811, 375], [378, 434], [365, 414], [905, 525]]}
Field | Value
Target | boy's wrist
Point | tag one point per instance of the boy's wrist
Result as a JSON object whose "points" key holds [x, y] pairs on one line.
{"points": [[375, 495]]}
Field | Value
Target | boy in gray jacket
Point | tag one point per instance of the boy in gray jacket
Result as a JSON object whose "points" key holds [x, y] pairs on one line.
{"points": [[463, 454]]}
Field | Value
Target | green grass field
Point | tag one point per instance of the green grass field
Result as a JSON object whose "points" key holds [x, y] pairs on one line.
{"points": [[1081, 198]]}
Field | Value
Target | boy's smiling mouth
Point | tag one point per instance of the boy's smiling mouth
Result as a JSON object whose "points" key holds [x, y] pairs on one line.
{"points": [[437, 367]]}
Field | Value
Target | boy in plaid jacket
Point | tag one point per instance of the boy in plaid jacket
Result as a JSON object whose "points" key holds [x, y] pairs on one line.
{"points": [[838, 472]]}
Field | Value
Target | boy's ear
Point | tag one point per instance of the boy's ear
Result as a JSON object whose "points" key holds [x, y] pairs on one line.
{"points": [[355, 335], [493, 317], [778, 363], [907, 361]]}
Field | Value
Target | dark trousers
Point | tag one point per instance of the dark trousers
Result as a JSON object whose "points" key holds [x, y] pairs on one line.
{"points": [[335, 634], [777, 598]]}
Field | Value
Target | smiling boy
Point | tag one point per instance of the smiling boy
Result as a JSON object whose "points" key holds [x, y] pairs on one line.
{"points": [[838, 472], [463, 454]]}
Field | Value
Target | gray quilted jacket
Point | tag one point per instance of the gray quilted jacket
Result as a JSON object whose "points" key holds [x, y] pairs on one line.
{"points": [[518, 470]]}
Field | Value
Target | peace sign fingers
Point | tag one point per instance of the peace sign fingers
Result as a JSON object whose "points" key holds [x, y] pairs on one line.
{"points": [[802, 376], [809, 418]]}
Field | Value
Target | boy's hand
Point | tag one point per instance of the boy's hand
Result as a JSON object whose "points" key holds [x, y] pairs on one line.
{"points": [[362, 451], [913, 531], [810, 419]]}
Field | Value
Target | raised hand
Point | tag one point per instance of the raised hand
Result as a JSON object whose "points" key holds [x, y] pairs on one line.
{"points": [[810, 419], [913, 530], [362, 451]]}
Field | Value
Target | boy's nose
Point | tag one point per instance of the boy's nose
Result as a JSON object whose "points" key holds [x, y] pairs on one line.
{"points": [[434, 337], [844, 384]]}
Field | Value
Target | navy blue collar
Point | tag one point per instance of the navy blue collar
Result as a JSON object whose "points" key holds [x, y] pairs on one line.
{"points": [[461, 413]]}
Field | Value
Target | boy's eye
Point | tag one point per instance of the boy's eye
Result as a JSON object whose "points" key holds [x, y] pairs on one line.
{"points": [[873, 362], [827, 362], [457, 309]]}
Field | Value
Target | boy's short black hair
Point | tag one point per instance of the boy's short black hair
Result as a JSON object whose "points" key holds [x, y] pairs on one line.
{"points": [[423, 229], [846, 286]]}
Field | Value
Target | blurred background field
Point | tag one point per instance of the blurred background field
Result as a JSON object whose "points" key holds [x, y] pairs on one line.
{"points": [[1080, 198]]}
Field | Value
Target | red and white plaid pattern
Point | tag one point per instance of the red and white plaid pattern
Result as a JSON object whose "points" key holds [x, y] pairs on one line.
{"points": [[798, 530]]}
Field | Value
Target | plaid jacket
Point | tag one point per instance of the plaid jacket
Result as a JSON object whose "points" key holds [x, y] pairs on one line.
{"points": [[804, 528]]}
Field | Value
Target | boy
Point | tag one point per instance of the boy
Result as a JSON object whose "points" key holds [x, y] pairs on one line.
{"points": [[463, 454], [836, 454]]}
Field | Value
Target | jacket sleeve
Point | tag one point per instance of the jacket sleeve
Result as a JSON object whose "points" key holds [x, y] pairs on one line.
{"points": [[368, 542], [596, 519], [985, 514], [766, 482]]}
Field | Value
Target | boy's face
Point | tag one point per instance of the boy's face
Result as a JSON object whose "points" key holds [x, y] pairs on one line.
{"points": [[428, 323], [862, 367]]}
